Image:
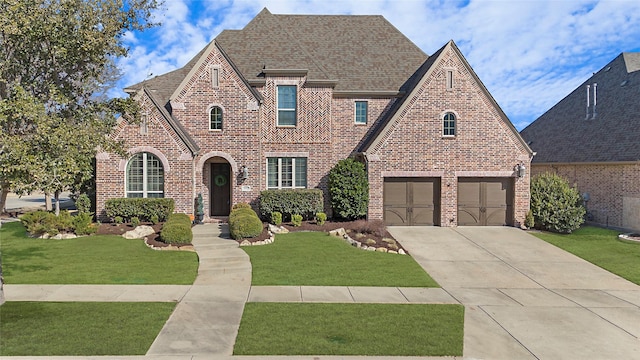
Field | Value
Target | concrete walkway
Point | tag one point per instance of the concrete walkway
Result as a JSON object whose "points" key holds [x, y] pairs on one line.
{"points": [[525, 298]]}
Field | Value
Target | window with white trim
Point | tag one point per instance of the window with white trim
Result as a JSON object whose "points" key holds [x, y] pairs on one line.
{"points": [[215, 118], [286, 173], [361, 112], [449, 124], [287, 102], [144, 176]]}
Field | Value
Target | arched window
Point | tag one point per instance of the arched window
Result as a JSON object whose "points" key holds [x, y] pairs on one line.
{"points": [[145, 176], [449, 126], [215, 118]]}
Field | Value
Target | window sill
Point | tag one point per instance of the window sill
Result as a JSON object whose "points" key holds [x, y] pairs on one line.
{"points": [[448, 136], [215, 130], [286, 126], [360, 124]]}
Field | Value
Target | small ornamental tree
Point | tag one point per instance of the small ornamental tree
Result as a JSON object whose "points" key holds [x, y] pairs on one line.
{"points": [[555, 205], [349, 189]]}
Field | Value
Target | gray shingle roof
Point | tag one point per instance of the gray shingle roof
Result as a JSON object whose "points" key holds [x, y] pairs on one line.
{"points": [[564, 134], [362, 53]]}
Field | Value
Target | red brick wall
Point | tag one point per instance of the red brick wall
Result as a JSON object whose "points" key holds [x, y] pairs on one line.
{"points": [[608, 185], [160, 140], [484, 145]]}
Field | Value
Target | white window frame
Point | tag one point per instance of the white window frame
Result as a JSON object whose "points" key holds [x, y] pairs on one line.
{"points": [[145, 177], [294, 109], [366, 112], [294, 173], [221, 117]]}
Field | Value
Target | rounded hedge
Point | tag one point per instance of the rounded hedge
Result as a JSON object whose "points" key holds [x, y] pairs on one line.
{"points": [[244, 223], [555, 205]]}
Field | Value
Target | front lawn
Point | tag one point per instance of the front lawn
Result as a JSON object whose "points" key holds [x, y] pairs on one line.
{"points": [[600, 247], [82, 329], [350, 329], [99, 259], [315, 258]]}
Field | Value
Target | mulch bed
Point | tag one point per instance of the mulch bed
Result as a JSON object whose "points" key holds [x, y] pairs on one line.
{"points": [[360, 230]]}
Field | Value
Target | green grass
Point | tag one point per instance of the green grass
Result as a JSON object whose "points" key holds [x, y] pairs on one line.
{"points": [[84, 329], [103, 259], [314, 258], [350, 329], [600, 247]]}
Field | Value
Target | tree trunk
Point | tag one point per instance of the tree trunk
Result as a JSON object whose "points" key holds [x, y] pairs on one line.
{"points": [[1, 278], [47, 201], [3, 199], [57, 195]]}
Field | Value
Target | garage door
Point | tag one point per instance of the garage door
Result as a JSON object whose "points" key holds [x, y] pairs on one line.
{"points": [[485, 201], [411, 201]]}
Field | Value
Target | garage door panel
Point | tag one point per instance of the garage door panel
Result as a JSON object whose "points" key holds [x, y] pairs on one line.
{"points": [[395, 216], [484, 201], [469, 217], [411, 201], [395, 193]]}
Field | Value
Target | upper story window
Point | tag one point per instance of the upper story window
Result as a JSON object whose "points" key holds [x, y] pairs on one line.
{"points": [[215, 118], [362, 112], [144, 176], [287, 100], [449, 124], [286, 173]]}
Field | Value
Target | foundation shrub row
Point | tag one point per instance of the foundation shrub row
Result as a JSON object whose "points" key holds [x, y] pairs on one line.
{"points": [[145, 209]]}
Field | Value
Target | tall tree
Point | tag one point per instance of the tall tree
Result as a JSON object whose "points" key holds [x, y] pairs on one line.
{"points": [[58, 57]]}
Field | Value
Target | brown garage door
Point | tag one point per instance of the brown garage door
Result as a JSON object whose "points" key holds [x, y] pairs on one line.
{"points": [[411, 201], [485, 201]]}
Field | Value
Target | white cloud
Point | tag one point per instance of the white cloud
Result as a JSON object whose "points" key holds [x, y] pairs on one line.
{"points": [[529, 54]]}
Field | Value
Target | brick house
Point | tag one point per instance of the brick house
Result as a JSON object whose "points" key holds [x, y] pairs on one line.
{"points": [[276, 104], [591, 138]]}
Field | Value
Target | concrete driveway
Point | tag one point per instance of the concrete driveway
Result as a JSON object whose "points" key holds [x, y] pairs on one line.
{"points": [[525, 298]]}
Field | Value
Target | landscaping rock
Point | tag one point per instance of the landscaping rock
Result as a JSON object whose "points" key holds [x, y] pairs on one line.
{"points": [[381, 249], [277, 229], [64, 236], [338, 232], [402, 252], [245, 243], [139, 232], [371, 248]]}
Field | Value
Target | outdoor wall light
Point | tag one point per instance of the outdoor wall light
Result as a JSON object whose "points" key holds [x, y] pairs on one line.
{"points": [[244, 173], [520, 170]]}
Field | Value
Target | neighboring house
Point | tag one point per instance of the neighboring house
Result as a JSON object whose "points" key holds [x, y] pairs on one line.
{"points": [[277, 104], [592, 137]]}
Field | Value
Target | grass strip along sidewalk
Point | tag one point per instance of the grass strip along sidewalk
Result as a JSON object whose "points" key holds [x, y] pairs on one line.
{"points": [[312, 258], [80, 328], [602, 248], [350, 329]]}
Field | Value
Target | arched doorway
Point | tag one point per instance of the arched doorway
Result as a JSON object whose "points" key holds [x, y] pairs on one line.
{"points": [[219, 186]]}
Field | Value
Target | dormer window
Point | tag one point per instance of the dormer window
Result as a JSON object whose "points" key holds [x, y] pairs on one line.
{"points": [[287, 100]]}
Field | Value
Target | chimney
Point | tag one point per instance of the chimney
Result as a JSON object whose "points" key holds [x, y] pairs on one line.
{"points": [[587, 117], [595, 99]]}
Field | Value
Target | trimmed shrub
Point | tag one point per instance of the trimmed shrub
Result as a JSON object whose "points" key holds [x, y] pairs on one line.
{"points": [[135, 221], [349, 189], [177, 230], [41, 222], [241, 206], [529, 220], [154, 219], [143, 208], [244, 223], [296, 220], [306, 202], [118, 220], [321, 218], [83, 204], [276, 218], [83, 224], [555, 205]]}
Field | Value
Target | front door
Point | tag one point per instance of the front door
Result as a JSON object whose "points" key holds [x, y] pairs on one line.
{"points": [[220, 189]]}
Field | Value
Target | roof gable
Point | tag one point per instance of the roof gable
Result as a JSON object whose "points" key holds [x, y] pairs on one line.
{"points": [[384, 129], [569, 132]]}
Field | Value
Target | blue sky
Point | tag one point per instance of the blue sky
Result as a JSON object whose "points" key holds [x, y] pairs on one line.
{"points": [[529, 53]]}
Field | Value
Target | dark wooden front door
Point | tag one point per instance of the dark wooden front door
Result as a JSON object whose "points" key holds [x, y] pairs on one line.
{"points": [[220, 189], [485, 201], [411, 201]]}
